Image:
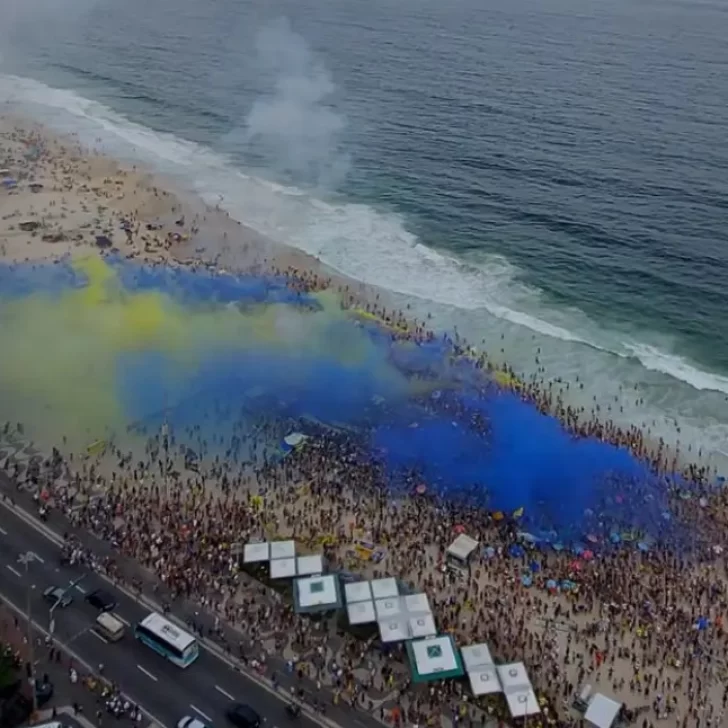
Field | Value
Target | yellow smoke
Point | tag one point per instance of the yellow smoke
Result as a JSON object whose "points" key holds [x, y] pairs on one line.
{"points": [[61, 354]]}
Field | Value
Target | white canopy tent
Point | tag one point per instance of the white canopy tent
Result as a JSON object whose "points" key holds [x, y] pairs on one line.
{"points": [[602, 711], [460, 551], [516, 686]]}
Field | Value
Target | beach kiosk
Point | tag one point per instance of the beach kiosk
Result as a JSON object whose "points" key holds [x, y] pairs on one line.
{"points": [[460, 552]]}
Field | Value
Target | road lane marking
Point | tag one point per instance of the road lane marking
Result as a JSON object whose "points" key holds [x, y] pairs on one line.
{"points": [[36, 557], [197, 710], [224, 692], [21, 613], [3, 531], [147, 673], [80, 589], [15, 571], [121, 619], [98, 636]]}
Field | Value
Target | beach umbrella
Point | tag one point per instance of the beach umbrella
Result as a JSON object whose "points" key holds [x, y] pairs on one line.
{"points": [[588, 555], [615, 538], [558, 547], [459, 529], [551, 585], [488, 552], [535, 567], [526, 580], [516, 551], [9, 182], [642, 546]]}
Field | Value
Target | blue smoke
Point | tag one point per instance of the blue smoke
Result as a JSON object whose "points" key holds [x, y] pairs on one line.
{"points": [[428, 417]]}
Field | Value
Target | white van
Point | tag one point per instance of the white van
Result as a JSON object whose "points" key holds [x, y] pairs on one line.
{"points": [[109, 627]]}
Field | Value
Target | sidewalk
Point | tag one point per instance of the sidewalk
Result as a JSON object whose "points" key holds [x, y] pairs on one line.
{"points": [[68, 717]]}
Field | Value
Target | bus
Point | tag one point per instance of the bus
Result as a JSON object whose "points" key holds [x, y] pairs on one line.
{"points": [[167, 639]]}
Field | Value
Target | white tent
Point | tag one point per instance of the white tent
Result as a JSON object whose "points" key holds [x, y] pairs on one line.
{"points": [[516, 685], [460, 550], [602, 711]]}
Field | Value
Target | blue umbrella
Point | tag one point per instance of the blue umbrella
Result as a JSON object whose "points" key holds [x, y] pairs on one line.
{"points": [[516, 551], [526, 580]]}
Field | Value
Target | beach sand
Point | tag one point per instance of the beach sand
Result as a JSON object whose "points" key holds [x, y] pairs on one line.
{"points": [[66, 198]]}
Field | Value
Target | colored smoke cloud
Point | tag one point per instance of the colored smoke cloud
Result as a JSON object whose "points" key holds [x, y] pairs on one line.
{"points": [[90, 347]]}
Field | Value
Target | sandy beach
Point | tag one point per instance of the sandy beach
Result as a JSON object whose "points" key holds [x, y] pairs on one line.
{"points": [[59, 199]]}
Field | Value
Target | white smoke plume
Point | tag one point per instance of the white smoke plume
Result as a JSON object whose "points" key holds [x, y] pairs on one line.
{"points": [[293, 126]]}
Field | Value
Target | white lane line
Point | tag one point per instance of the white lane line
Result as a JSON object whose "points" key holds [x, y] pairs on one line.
{"points": [[147, 673], [80, 589], [15, 571], [3, 531], [197, 710], [224, 692], [98, 636], [121, 619], [38, 558]]}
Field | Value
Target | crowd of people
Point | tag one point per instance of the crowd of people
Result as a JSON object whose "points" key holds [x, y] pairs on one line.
{"points": [[643, 625]]}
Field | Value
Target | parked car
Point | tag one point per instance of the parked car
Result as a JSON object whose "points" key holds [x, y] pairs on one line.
{"points": [[55, 594], [101, 600]]}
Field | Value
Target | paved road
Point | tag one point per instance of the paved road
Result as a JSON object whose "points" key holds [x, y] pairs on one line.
{"points": [[166, 691]]}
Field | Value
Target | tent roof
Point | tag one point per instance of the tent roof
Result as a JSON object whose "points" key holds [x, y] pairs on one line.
{"points": [[602, 711], [462, 547]]}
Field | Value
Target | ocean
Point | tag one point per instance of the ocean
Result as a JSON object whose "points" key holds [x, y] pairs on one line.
{"points": [[550, 178]]}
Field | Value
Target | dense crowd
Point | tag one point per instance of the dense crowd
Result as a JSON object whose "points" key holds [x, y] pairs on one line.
{"points": [[643, 625]]}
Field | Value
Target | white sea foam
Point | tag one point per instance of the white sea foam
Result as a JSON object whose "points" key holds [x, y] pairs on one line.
{"points": [[371, 246]]}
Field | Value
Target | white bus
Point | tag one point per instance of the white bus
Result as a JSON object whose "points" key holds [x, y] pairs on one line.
{"points": [[167, 639]]}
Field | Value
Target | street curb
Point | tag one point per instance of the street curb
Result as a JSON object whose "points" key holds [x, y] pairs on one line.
{"points": [[210, 646]]}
